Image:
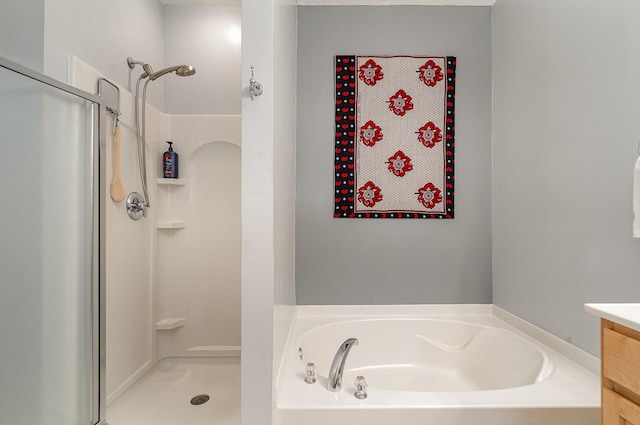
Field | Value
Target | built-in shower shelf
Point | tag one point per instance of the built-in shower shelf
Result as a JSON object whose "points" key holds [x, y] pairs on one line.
{"points": [[171, 182], [171, 224], [171, 201], [168, 324]]}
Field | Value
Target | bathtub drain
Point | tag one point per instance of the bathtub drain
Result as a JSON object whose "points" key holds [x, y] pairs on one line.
{"points": [[199, 399]]}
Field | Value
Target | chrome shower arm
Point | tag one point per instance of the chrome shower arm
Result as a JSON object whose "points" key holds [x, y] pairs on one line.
{"points": [[162, 72], [132, 63]]}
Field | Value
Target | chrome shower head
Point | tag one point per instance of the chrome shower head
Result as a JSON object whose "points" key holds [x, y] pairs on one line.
{"points": [[181, 70], [186, 71]]}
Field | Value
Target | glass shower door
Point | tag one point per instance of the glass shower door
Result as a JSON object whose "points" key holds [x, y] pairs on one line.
{"points": [[49, 333]]}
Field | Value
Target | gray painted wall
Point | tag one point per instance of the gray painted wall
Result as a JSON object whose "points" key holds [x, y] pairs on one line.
{"points": [[22, 32], [360, 261], [102, 34], [566, 108], [202, 35]]}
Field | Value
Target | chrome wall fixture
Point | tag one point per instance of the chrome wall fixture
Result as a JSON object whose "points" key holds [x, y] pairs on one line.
{"points": [[149, 75], [114, 111], [255, 88], [135, 206]]}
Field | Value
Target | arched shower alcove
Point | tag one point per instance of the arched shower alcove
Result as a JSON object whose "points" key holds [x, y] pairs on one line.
{"points": [[198, 265]]}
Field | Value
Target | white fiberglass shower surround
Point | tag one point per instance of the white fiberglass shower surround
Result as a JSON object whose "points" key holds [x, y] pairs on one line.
{"points": [[172, 277], [166, 286]]}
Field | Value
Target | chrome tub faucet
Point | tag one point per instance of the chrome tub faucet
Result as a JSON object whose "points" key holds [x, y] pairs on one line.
{"points": [[337, 367]]}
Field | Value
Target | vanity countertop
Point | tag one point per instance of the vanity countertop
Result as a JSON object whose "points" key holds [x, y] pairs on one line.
{"points": [[626, 314]]}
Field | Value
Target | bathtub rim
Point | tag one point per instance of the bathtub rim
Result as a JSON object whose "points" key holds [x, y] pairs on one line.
{"points": [[583, 358], [562, 354], [544, 372]]}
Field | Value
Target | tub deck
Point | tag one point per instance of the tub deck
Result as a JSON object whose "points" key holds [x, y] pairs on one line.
{"points": [[569, 395]]}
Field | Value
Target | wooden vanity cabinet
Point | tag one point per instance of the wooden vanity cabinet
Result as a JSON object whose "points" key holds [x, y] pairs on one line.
{"points": [[620, 374]]}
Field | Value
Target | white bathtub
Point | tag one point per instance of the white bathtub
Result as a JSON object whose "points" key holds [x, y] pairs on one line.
{"points": [[440, 365]]}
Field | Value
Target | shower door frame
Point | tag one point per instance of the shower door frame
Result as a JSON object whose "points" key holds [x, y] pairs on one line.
{"points": [[98, 249]]}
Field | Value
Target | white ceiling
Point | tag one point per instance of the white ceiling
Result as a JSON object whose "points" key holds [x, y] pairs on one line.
{"points": [[190, 2], [349, 2], [397, 2]]}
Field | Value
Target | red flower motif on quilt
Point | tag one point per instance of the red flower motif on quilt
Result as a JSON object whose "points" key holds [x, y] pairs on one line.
{"points": [[369, 194], [370, 73], [429, 135], [399, 164], [400, 103], [430, 73], [429, 195], [370, 133]]}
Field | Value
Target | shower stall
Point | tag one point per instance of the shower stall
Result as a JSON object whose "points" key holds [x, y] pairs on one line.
{"points": [[51, 297], [67, 252]]}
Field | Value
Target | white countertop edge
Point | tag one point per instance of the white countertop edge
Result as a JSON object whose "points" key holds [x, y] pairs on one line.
{"points": [[626, 314]]}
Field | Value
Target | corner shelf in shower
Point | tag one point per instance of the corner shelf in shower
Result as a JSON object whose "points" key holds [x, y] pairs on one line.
{"points": [[170, 205], [171, 182], [168, 324], [171, 224]]}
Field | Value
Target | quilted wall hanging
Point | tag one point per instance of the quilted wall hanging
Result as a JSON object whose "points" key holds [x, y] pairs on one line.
{"points": [[394, 138]]}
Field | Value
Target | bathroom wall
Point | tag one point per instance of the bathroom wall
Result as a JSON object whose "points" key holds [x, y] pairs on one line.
{"points": [[103, 34], [207, 37], [41, 34], [566, 105], [22, 32], [197, 268], [130, 345], [268, 128], [284, 135], [359, 261]]}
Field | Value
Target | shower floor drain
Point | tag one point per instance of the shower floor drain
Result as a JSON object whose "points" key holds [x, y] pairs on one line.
{"points": [[199, 399]]}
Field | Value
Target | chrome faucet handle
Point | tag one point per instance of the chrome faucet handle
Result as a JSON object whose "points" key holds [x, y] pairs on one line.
{"points": [[361, 387], [310, 377]]}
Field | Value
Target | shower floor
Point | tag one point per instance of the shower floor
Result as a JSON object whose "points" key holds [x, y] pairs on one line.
{"points": [[163, 395]]}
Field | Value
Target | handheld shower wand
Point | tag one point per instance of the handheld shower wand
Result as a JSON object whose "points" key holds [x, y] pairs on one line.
{"points": [[182, 71]]}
